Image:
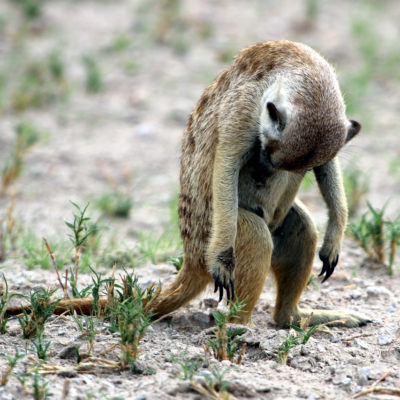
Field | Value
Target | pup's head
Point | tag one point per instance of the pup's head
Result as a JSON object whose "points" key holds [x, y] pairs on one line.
{"points": [[303, 123]]}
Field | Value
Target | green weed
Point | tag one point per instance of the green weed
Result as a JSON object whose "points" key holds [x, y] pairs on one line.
{"points": [[216, 386], [302, 337], [117, 204], [11, 364], [356, 185], [5, 297], [131, 317], [177, 262], [89, 328], [42, 307], [41, 347], [94, 78], [188, 365], [225, 344]]}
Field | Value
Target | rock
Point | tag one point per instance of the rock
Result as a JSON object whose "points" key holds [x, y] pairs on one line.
{"points": [[68, 373], [363, 374], [302, 363], [384, 339], [101, 338], [201, 319], [390, 309], [361, 344], [355, 294], [210, 303], [143, 368], [140, 398], [238, 388], [178, 387], [378, 291], [68, 352], [345, 381]]}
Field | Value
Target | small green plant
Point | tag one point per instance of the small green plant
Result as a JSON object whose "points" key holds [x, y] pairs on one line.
{"points": [[31, 9], [356, 185], [80, 231], [216, 386], [73, 282], [89, 328], [308, 182], [94, 80], [131, 317], [41, 347], [188, 365], [311, 282], [97, 283], [39, 385], [117, 204], [26, 136], [177, 262], [42, 308], [301, 336], [11, 364], [393, 235], [5, 297], [224, 346], [369, 233]]}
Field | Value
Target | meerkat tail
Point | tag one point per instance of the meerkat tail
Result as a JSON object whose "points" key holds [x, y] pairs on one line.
{"points": [[185, 287]]}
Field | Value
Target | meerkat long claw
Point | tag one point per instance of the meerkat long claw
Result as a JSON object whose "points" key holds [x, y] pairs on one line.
{"points": [[327, 267]]}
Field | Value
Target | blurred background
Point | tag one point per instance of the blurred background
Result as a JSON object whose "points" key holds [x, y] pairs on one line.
{"points": [[94, 97]]}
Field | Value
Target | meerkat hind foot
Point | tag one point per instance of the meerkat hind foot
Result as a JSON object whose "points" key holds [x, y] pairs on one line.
{"points": [[349, 319]]}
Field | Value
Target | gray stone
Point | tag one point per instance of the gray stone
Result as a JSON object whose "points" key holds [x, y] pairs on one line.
{"points": [[355, 294], [384, 339], [143, 368], [177, 387], [210, 303], [238, 388], [345, 381], [68, 352], [361, 344], [68, 373], [378, 291]]}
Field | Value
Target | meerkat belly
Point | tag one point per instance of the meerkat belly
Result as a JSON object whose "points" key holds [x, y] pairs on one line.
{"points": [[269, 194]]}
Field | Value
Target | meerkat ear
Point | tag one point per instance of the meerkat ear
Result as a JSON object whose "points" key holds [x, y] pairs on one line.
{"points": [[276, 115], [353, 130]]}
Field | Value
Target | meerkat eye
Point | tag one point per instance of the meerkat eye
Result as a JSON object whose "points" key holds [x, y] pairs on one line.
{"points": [[276, 116], [353, 130]]}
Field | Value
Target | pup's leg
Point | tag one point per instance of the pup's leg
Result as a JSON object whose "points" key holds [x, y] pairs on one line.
{"points": [[295, 241]]}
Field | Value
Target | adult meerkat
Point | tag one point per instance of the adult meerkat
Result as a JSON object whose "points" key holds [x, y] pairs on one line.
{"points": [[275, 113]]}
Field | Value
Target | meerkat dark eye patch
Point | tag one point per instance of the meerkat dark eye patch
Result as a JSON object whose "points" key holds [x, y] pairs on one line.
{"points": [[353, 130], [276, 115]]}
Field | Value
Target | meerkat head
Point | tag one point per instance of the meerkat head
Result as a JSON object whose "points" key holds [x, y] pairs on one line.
{"points": [[303, 123]]}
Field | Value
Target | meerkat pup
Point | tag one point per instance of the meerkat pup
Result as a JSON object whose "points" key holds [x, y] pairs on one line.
{"points": [[274, 114]]}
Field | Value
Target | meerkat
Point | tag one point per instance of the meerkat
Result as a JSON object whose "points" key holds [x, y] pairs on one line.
{"points": [[274, 114]]}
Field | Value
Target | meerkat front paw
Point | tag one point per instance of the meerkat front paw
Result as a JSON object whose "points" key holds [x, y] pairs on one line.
{"points": [[329, 260], [222, 272]]}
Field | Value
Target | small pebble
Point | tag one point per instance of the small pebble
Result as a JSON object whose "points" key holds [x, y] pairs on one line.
{"points": [[61, 333], [355, 294], [384, 339], [390, 310], [345, 381]]}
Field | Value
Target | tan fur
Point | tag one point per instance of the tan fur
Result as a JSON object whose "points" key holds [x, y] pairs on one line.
{"points": [[240, 173]]}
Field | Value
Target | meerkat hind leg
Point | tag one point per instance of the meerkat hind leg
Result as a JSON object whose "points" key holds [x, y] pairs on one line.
{"points": [[253, 250], [295, 241]]}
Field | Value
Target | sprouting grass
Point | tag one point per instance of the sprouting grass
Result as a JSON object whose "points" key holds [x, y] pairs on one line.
{"points": [[11, 364], [356, 185], [302, 336], [216, 386], [89, 327], [5, 297], [132, 318], [116, 203], [227, 339], [40, 346], [26, 136], [375, 233], [188, 365], [177, 262], [31, 9], [311, 282], [42, 308], [94, 77]]}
